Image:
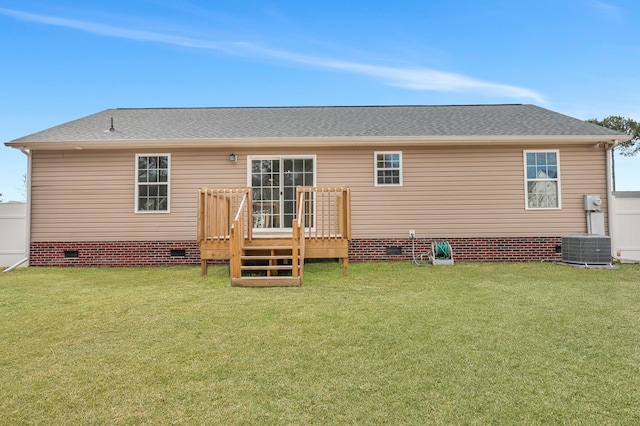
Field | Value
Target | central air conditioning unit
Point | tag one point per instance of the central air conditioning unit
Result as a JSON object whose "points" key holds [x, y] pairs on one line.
{"points": [[586, 249]]}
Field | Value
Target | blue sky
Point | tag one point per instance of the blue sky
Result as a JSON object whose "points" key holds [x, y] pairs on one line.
{"points": [[63, 60]]}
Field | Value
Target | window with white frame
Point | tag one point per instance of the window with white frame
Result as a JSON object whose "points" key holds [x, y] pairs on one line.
{"points": [[542, 179], [388, 168], [152, 183]]}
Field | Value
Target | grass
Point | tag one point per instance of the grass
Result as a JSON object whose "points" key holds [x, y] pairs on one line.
{"points": [[390, 344]]}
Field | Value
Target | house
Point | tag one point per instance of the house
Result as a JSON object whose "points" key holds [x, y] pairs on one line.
{"points": [[498, 182]]}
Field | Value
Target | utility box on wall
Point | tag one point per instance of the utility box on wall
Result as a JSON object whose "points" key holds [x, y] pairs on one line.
{"points": [[595, 218], [592, 203], [595, 223]]}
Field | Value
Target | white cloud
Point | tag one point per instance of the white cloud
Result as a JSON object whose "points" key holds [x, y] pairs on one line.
{"points": [[111, 31], [428, 79], [405, 77]]}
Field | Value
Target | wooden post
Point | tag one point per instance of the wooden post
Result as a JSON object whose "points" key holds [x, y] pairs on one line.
{"points": [[200, 232], [249, 214], [345, 218], [295, 249]]}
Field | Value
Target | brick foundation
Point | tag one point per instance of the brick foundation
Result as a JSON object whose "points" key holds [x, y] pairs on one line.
{"points": [[505, 249], [174, 253], [115, 253]]}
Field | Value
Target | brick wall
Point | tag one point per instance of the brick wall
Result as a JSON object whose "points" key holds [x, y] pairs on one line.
{"points": [[173, 253], [464, 249], [115, 253]]}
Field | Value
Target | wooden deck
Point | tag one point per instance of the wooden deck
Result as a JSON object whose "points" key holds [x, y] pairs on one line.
{"points": [[321, 229]]}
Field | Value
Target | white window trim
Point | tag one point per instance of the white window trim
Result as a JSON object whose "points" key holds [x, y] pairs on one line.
{"points": [[375, 168], [558, 179], [135, 183]]}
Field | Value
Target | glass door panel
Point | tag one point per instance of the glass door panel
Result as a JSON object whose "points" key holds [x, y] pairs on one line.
{"points": [[296, 172], [265, 183]]}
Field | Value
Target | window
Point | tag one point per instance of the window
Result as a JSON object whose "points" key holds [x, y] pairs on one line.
{"points": [[152, 183], [388, 166], [542, 179]]}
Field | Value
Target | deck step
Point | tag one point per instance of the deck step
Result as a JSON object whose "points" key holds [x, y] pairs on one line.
{"points": [[266, 282], [274, 261], [266, 257], [267, 248], [266, 267]]}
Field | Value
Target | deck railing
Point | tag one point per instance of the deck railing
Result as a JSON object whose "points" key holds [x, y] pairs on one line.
{"points": [[327, 213], [217, 209], [320, 229]]}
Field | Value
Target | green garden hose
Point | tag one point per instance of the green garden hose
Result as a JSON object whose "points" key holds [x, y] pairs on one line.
{"points": [[442, 250]]}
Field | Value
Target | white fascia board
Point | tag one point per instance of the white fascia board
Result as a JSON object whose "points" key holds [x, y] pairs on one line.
{"points": [[319, 142]]}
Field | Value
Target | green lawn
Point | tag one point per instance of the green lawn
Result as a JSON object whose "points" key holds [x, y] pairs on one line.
{"points": [[391, 343]]}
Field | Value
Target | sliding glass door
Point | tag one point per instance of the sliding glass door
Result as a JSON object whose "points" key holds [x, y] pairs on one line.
{"points": [[274, 181]]}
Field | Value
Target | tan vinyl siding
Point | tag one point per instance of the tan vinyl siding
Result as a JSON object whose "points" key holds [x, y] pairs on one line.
{"points": [[468, 192], [89, 195]]}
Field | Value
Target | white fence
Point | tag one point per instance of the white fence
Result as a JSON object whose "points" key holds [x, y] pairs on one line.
{"points": [[625, 235], [13, 233]]}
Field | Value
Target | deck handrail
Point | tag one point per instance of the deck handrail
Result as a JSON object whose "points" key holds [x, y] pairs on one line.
{"points": [[237, 235], [298, 235]]}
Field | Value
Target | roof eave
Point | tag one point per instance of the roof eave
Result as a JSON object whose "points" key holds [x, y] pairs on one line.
{"points": [[321, 142]]}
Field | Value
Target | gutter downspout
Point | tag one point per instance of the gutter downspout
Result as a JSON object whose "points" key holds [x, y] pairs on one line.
{"points": [[27, 249], [610, 213]]}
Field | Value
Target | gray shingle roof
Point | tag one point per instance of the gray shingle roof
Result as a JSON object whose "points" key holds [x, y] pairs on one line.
{"points": [[317, 122]]}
